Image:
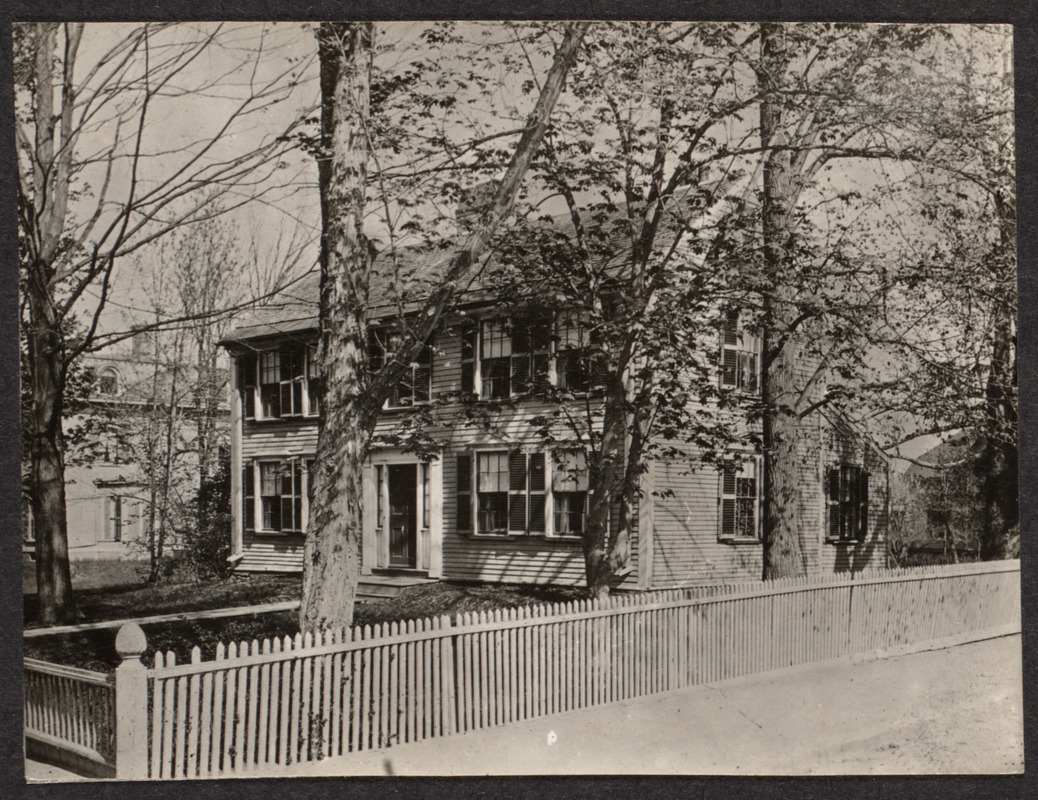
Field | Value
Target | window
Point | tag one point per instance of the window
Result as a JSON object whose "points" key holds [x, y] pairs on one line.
{"points": [[415, 385], [313, 382], [569, 485], [122, 518], [108, 382], [281, 496], [848, 503], [513, 355], [740, 356], [289, 384], [574, 365], [510, 493], [740, 501], [492, 492]]}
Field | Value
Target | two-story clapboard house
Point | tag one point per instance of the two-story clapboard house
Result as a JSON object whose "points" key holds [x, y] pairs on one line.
{"points": [[491, 502]]}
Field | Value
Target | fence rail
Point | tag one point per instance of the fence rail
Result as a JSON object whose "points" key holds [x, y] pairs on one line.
{"points": [[280, 701], [70, 709]]}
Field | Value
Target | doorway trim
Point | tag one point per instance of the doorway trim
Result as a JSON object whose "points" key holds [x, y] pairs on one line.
{"points": [[429, 512]]}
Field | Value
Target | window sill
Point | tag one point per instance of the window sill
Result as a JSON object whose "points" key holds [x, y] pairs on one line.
{"points": [[261, 532], [738, 540], [846, 541]]}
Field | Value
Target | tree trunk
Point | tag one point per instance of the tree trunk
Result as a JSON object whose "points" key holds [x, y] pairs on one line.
{"points": [[53, 575], [997, 468], [605, 479], [783, 550], [350, 399], [331, 561]]}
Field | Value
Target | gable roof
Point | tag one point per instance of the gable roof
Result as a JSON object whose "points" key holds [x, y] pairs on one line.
{"points": [[413, 274]]}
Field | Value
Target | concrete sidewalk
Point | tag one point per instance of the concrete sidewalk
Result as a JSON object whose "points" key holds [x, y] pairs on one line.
{"points": [[957, 710]]}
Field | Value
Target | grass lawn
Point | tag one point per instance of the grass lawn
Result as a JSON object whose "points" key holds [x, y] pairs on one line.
{"points": [[96, 649], [107, 590]]}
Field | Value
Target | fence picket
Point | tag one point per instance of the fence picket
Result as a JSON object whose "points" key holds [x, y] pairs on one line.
{"points": [[257, 704]]}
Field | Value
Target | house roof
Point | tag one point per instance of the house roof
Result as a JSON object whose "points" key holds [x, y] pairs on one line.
{"points": [[410, 278], [941, 457]]}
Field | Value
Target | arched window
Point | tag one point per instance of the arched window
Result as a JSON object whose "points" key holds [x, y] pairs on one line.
{"points": [[108, 381]]}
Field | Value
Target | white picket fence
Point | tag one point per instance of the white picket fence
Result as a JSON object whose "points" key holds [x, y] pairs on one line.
{"points": [[70, 712], [276, 702], [261, 704]]}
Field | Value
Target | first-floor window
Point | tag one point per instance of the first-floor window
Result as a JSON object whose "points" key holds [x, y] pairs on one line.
{"points": [[740, 500], [510, 492], [569, 492], [848, 503], [492, 492], [122, 517], [281, 495]]}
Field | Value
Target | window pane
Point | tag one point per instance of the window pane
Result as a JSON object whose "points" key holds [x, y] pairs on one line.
{"points": [[570, 471], [492, 472]]}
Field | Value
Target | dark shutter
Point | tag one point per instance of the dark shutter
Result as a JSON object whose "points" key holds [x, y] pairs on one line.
{"points": [[468, 333], [517, 491], [464, 492], [536, 493], [863, 516], [727, 517], [248, 498], [834, 502], [247, 384]]}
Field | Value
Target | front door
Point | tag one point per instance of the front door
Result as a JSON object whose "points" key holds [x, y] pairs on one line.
{"points": [[403, 508]]}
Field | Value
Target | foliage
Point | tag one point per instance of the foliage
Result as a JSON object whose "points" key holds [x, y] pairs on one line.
{"points": [[205, 543]]}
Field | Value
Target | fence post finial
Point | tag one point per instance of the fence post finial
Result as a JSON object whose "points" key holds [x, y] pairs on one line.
{"points": [[131, 704]]}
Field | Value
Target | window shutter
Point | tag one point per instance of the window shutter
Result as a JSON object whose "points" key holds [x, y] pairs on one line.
{"points": [[248, 498], [521, 373], [727, 517], [247, 384], [517, 492], [468, 357], [375, 353], [536, 493], [834, 502], [464, 492], [863, 494]]}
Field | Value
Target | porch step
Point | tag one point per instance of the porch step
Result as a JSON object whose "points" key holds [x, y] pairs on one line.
{"points": [[383, 587]]}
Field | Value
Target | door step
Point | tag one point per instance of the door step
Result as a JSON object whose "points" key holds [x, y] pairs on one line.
{"points": [[384, 587]]}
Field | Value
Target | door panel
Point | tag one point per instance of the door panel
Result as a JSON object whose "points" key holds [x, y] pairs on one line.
{"points": [[403, 507]]}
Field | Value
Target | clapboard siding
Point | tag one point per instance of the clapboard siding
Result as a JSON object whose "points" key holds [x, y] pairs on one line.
{"points": [[275, 553], [279, 438], [515, 559], [681, 515], [686, 548]]}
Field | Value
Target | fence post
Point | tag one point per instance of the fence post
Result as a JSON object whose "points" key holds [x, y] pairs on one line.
{"points": [[131, 705]]}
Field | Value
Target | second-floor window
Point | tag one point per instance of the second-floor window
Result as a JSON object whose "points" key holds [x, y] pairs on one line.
{"points": [[513, 355], [740, 355], [279, 384], [415, 385], [504, 358]]}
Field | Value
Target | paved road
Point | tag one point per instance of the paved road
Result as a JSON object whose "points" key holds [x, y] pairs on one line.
{"points": [[957, 710]]}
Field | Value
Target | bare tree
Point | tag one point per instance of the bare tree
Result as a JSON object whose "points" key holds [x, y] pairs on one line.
{"points": [[99, 180]]}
